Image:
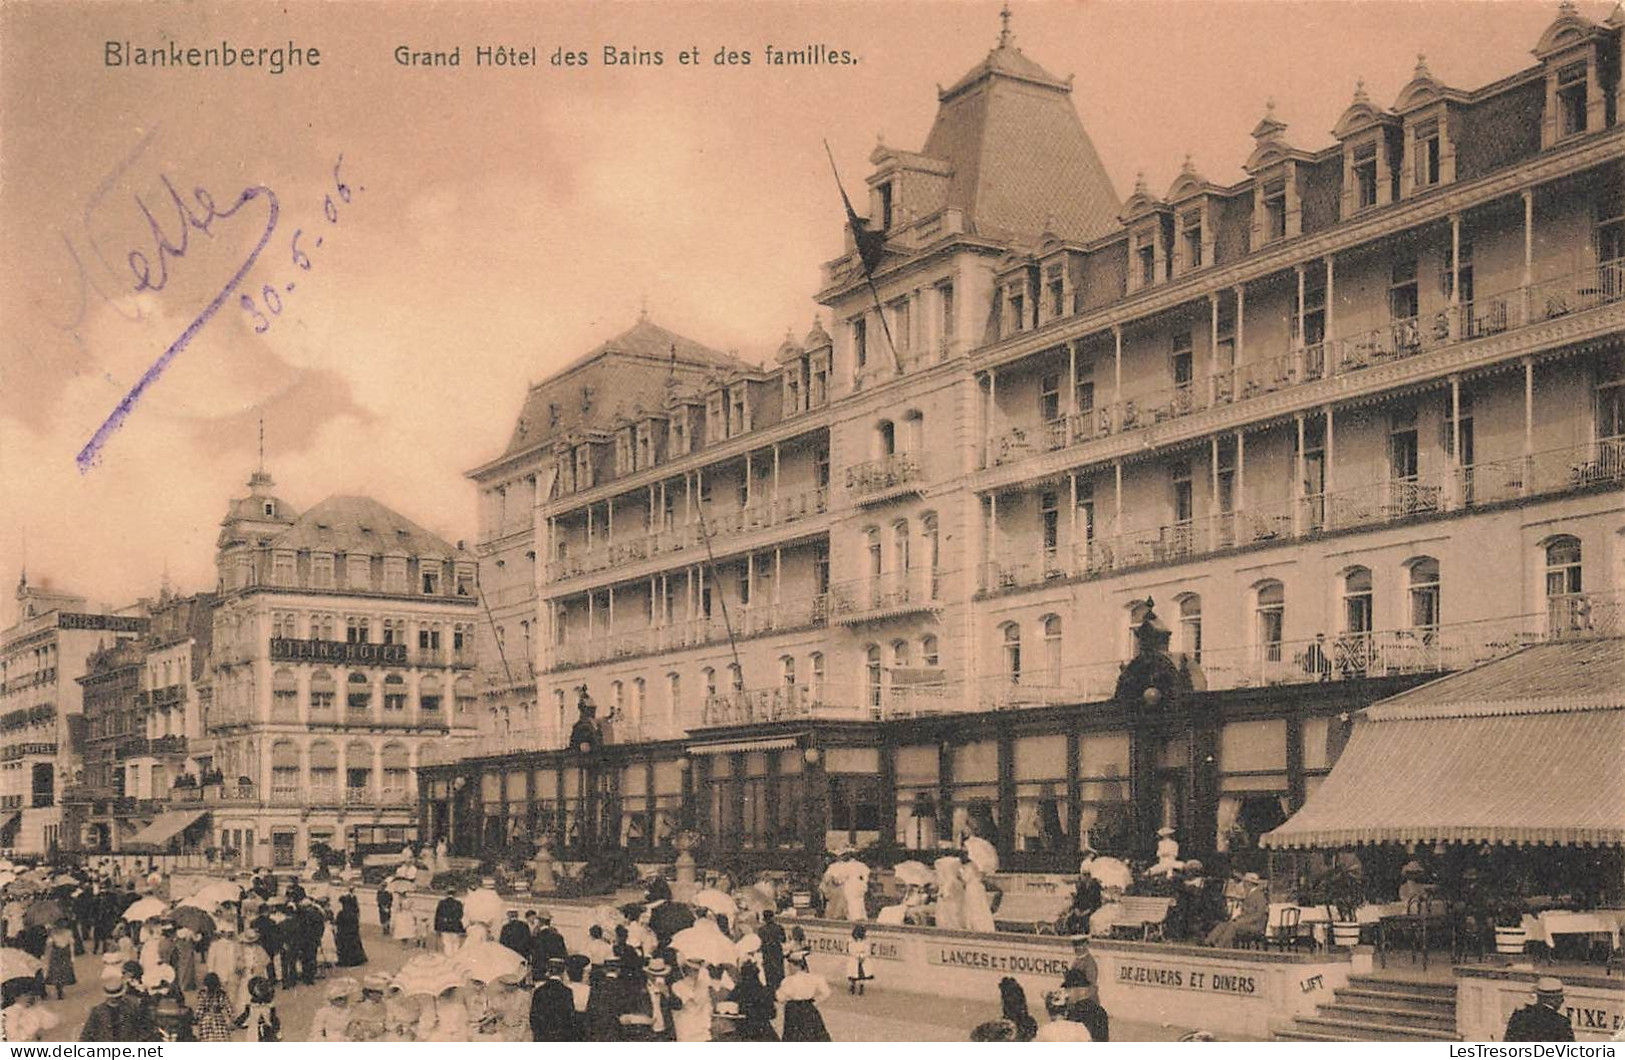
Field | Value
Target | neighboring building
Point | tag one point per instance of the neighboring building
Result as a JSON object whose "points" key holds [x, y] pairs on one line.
{"points": [[1353, 421], [42, 657], [343, 645], [141, 722]]}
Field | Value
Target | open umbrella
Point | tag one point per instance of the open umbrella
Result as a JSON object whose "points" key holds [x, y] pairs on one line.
{"points": [[145, 909], [19, 964], [188, 916], [46, 911], [400, 885], [982, 854], [915, 874], [716, 901], [429, 973], [705, 942], [482, 906], [485, 961], [212, 895], [1110, 872]]}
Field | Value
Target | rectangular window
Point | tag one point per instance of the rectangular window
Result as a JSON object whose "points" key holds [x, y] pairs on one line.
{"points": [[1148, 264], [1086, 396], [1402, 297], [1426, 149], [1055, 291], [819, 393], [1049, 398], [1183, 508], [358, 571], [945, 306], [860, 342], [1017, 301], [1049, 516], [885, 206], [283, 569], [1191, 231], [1183, 363], [431, 580], [902, 324], [321, 571], [1275, 210], [1571, 98], [1365, 175]]}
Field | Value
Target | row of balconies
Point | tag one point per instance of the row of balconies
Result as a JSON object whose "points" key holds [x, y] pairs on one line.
{"points": [[39, 714], [168, 696], [150, 747], [13, 751], [777, 512], [1368, 504], [38, 677], [1398, 340], [824, 703], [747, 620], [245, 793]]}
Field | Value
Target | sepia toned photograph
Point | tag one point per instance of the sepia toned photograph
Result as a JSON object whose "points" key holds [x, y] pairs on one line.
{"points": [[900, 521]]}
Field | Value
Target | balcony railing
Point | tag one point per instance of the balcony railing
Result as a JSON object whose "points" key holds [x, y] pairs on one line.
{"points": [[760, 515], [889, 476], [1396, 340], [1594, 465], [749, 620], [827, 703], [23, 717], [884, 595]]}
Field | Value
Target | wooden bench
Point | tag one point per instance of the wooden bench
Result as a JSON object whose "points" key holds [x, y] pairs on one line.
{"points": [[1033, 912], [1142, 916]]}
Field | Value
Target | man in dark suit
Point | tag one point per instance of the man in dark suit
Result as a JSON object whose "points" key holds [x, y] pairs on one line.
{"points": [[515, 935], [553, 1008], [1542, 1021], [546, 944], [1250, 922], [448, 923]]}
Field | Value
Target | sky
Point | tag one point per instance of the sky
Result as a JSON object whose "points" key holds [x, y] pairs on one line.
{"points": [[500, 222]]}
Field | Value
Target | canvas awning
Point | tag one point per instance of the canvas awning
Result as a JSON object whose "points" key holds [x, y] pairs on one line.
{"points": [[166, 826], [1526, 750]]}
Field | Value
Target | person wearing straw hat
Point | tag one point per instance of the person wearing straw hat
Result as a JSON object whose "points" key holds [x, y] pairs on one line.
{"points": [[333, 1018], [116, 1019], [1542, 1021], [799, 996], [553, 1007], [1250, 920]]}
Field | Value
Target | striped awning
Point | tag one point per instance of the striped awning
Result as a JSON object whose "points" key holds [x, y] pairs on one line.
{"points": [[1545, 774], [779, 743], [166, 826]]}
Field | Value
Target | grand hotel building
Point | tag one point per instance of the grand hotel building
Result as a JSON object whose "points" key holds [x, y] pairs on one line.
{"points": [[1352, 422]]}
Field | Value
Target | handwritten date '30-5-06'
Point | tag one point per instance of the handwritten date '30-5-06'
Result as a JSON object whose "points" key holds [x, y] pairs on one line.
{"points": [[151, 271]]}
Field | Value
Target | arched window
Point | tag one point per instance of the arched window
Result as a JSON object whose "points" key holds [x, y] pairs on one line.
{"points": [[1190, 626], [913, 431], [900, 546], [465, 695], [359, 695], [617, 697], [429, 694], [357, 771], [708, 681], [816, 683], [1053, 664], [639, 694], [397, 779], [674, 695], [928, 651], [872, 671], [324, 770], [1566, 608], [1425, 596], [933, 550], [1269, 619], [1011, 636], [560, 710], [1357, 601], [787, 671], [886, 438], [394, 692], [285, 769], [872, 546]]}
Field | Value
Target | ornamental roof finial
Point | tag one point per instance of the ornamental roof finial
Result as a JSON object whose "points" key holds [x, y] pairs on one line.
{"points": [[1005, 36]]}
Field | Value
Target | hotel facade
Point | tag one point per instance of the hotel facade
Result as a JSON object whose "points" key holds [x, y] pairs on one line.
{"points": [[1350, 423]]}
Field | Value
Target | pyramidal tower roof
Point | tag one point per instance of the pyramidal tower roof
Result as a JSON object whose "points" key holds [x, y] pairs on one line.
{"points": [[1020, 156]]}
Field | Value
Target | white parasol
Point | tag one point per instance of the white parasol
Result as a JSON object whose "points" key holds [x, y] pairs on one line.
{"points": [[914, 874], [716, 901], [704, 941], [212, 895], [982, 854], [400, 885], [18, 964], [145, 909], [429, 973], [1110, 872], [482, 906], [485, 961]]}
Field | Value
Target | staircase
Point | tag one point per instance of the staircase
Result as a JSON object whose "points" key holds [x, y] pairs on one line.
{"points": [[1380, 1009]]}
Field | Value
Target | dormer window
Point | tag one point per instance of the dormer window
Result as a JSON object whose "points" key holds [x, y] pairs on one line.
{"points": [[1015, 300], [1365, 174], [1190, 230], [1055, 292], [737, 419], [430, 573], [1426, 149], [1571, 99], [1275, 210], [270, 509], [394, 574], [283, 569], [818, 379], [321, 570], [583, 467], [623, 451]]}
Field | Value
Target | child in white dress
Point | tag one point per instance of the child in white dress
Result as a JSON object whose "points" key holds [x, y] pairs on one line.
{"points": [[859, 956]]}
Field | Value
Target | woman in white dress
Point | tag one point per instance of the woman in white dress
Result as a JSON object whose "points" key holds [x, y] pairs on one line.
{"points": [[854, 889], [403, 925], [978, 910], [950, 911]]}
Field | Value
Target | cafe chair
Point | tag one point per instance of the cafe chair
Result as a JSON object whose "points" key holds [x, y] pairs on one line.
{"points": [[1288, 933]]}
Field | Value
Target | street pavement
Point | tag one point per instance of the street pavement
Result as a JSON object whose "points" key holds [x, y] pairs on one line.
{"points": [[882, 1014]]}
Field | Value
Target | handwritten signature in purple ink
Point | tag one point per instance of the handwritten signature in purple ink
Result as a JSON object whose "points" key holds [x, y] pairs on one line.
{"points": [[201, 219]]}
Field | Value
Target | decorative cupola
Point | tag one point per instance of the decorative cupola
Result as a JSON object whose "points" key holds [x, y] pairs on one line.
{"points": [[1370, 139], [1149, 221], [1571, 51], [1430, 116], [1191, 198], [1273, 165]]}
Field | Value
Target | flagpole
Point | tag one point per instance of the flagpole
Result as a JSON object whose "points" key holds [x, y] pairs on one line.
{"points": [[870, 246]]}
